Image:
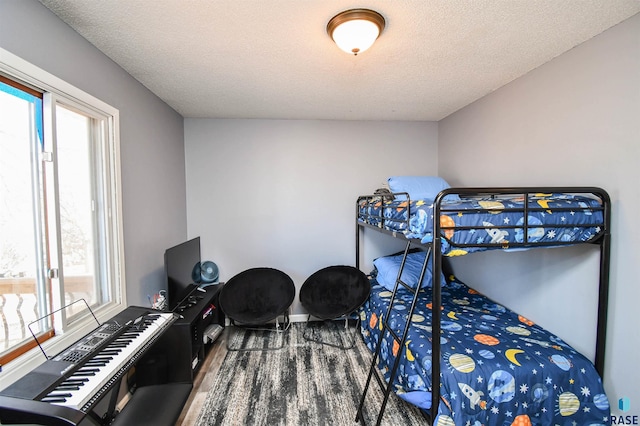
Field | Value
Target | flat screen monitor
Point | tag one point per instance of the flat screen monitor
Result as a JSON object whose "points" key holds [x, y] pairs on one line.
{"points": [[180, 262]]}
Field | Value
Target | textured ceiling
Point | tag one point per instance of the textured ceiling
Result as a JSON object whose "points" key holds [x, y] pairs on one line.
{"points": [[273, 59]]}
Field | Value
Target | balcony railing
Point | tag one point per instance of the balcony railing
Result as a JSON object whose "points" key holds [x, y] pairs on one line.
{"points": [[19, 305]]}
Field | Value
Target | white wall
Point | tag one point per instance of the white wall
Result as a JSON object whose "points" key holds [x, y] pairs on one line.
{"points": [[151, 136], [572, 121], [281, 193]]}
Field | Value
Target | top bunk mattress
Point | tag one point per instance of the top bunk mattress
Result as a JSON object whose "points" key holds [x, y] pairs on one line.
{"points": [[484, 222]]}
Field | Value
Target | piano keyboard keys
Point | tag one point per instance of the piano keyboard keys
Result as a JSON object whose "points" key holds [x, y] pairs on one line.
{"points": [[87, 383], [68, 387], [57, 396]]}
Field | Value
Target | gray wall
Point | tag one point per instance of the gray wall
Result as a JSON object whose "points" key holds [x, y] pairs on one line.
{"points": [[151, 136], [312, 170], [572, 121]]}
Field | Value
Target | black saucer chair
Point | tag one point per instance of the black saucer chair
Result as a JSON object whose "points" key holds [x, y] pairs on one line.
{"points": [[254, 299], [334, 292]]}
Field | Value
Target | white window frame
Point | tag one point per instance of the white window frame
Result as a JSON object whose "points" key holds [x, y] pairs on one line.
{"points": [[57, 90]]}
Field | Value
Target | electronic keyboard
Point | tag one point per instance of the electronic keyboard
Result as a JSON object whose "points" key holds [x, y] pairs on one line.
{"points": [[79, 376]]}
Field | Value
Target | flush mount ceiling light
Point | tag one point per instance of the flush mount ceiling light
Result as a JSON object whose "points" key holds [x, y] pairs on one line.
{"points": [[355, 30]]}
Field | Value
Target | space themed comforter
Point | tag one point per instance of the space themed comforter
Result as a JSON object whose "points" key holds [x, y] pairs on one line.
{"points": [[497, 367], [551, 219]]}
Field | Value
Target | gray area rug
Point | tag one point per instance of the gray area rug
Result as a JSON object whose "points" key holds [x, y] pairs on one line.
{"points": [[304, 383]]}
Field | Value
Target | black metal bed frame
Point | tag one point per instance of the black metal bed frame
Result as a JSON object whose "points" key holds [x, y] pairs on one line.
{"points": [[434, 254]]}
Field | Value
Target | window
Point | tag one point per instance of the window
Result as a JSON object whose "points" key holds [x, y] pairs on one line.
{"points": [[60, 218]]}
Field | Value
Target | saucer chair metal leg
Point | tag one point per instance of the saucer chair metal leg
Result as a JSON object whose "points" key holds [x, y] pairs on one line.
{"points": [[249, 331], [350, 335]]}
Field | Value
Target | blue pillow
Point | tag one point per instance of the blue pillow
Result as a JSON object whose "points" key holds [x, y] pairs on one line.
{"points": [[420, 187], [389, 266]]}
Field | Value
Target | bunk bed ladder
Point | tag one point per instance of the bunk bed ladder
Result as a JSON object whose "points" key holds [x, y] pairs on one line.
{"points": [[399, 340]]}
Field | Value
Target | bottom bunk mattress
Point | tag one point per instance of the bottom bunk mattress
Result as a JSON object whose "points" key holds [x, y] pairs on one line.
{"points": [[497, 367]]}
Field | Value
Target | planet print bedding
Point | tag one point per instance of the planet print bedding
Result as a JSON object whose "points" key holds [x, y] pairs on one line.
{"points": [[482, 223], [497, 367]]}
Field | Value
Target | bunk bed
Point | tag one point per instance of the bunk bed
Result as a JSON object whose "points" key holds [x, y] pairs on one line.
{"points": [[490, 365]]}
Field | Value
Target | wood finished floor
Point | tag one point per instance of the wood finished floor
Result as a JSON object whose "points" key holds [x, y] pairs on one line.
{"points": [[203, 380]]}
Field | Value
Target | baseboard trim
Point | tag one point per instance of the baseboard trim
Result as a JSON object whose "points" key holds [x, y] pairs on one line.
{"points": [[299, 318]]}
